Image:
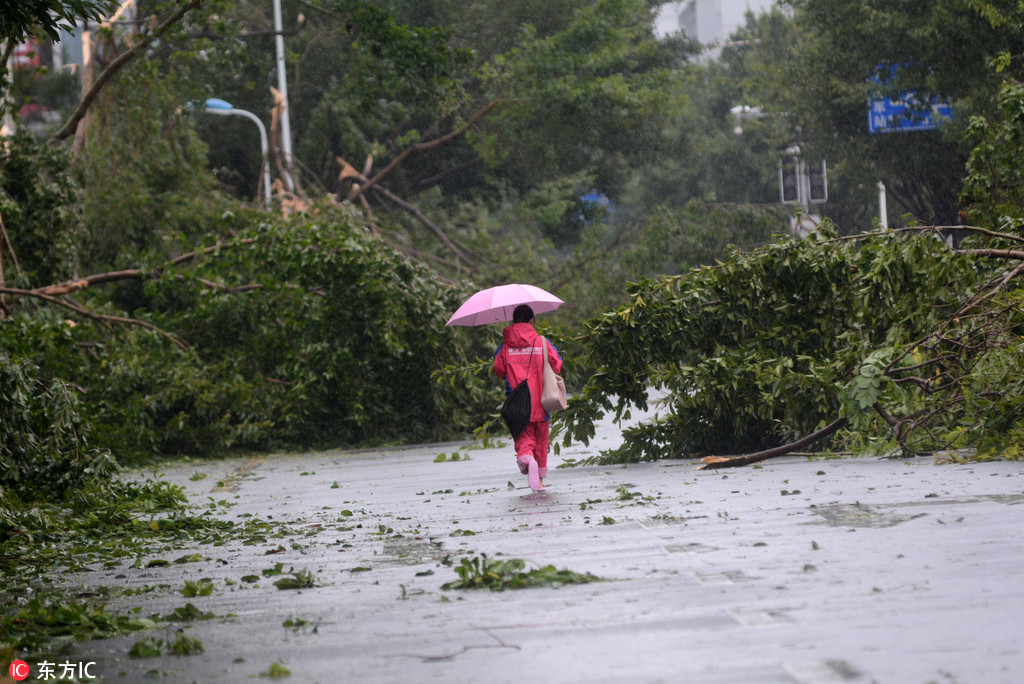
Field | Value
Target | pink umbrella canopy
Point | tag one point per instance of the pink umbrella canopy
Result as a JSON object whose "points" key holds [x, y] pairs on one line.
{"points": [[496, 304]]}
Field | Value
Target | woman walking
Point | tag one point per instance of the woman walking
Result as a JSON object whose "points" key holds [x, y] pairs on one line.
{"points": [[520, 358]]}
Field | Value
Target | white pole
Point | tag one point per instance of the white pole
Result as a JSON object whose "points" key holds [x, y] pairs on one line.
{"points": [[228, 110], [8, 126], [803, 185], [282, 86], [883, 215]]}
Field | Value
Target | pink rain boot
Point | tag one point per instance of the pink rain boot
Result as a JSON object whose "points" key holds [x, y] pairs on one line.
{"points": [[524, 463], [533, 475]]}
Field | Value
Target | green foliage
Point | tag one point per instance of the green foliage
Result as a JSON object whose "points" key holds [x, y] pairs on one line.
{"points": [[770, 345], [312, 331], [867, 386], [143, 172], [591, 96], [19, 18], [302, 579], [30, 626], [185, 646], [302, 332], [481, 572], [361, 82], [143, 396], [148, 647], [700, 233], [993, 188], [339, 331], [809, 72], [202, 587], [152, 647], [45, 452], [276, 670], [38, 202], [106, 525], [577, 89]]}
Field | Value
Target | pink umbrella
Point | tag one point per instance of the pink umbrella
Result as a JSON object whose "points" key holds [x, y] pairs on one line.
{"points": [[496, 304]]}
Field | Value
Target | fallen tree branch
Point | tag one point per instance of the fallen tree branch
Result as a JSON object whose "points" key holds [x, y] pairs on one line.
{"points": [[225, 288], [92, 314], [715, 462], [993, 253], [349, 172], [116, 65], [69, 286], [188, 256], [937, 230], [5, 240], [978, 298], [420, 146], [895, 423], [983, 231], [440, 234]]}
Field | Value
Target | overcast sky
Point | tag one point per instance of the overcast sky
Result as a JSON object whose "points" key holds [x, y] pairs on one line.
{"points": [[668, 19]]}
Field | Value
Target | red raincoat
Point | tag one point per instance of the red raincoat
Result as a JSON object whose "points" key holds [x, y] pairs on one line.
{"points": [[519, 358]]}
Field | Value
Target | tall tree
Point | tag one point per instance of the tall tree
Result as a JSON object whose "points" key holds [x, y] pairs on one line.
{"points": [[934, 50], [20, 18]]}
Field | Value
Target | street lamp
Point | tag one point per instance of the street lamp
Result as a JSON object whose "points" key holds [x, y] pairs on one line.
{"points": [[222, 108], [282, 86], [741, 112]]}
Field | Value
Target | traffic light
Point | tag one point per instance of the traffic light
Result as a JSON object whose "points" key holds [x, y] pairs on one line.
{"points": [[817, 183], [801, 183], [789, 181]]}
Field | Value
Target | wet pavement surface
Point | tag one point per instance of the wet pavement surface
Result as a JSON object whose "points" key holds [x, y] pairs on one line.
{"points": [[797, 571]]}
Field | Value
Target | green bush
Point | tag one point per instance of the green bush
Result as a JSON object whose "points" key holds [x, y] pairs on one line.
{"points": [[44, 440], [309, 332], [771, 345], [38, 200]]}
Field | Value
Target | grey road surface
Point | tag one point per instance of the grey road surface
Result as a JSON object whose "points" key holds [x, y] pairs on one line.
{"points": [[798, 571]]}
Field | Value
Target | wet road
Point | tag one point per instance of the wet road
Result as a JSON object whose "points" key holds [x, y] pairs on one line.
{"points": [[798, 571]]}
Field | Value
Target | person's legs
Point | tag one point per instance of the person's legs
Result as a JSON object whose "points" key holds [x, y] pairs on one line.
{"points": [[526, 449], [542, 434], [525, 445]]}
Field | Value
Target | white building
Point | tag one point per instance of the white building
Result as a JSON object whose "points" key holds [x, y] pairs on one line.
{"points": [[710, 22]]}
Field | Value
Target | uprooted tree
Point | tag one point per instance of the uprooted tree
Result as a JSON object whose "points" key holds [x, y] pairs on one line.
{"points": [[892, 342], [823, 338], [889, 342], [306, 331]]}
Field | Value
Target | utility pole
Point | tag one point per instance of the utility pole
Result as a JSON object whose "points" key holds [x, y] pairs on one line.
{"points": [[282, 86], [8, 126], [803, 184], [883, 214]]}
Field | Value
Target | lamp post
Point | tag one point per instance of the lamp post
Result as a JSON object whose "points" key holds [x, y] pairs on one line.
{"points": [[800, 182], [282, 86], [883, 213], [222, 108]]}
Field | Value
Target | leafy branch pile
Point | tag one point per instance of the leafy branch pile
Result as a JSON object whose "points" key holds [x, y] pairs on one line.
{"points": [[481, 572], [887, 342], [145, 310], [308, 331]]}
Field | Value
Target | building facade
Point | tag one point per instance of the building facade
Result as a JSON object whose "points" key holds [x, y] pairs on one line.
{"points": [[712, 22]]}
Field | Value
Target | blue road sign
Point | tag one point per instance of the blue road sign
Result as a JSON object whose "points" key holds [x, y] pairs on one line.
{"points": [[903, 111], [888, 115]]}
